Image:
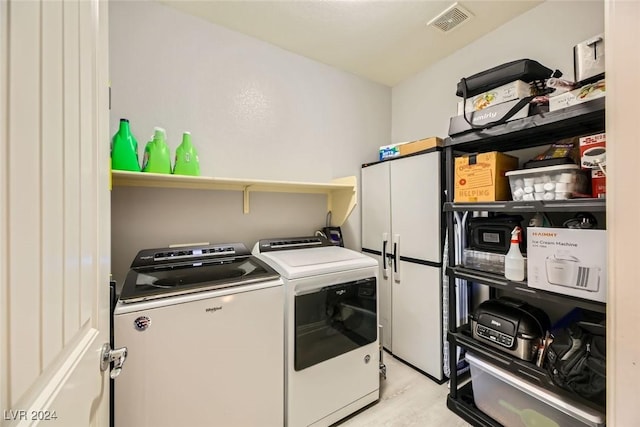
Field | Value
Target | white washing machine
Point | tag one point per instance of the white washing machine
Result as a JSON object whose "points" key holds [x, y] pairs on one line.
{"points": [[331, 322], [203, 329]]}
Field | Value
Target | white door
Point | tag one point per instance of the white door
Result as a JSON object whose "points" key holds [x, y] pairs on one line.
{"points": [[54, 213], [416, 208], [417, 317], [377, 238], [416, 288], [376, 212]]}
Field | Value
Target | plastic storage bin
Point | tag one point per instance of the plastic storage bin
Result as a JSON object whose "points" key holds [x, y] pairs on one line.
{"points": [[547, 183], [485, 261], [515, 402]]}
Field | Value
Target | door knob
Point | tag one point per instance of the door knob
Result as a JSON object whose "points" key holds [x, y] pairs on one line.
{"points": [[116, 356]]}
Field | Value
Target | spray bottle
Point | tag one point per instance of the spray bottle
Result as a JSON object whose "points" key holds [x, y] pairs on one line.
{"points": [[514, 261]]}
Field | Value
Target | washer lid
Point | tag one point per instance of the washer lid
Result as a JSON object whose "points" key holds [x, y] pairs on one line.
{"points": [[164, 272], [297, 263]]}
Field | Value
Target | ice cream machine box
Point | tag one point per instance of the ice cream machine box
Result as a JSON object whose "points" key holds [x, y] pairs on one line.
{"points": [[568, 261]]}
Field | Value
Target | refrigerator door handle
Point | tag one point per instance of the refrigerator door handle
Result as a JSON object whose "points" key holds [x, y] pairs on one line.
{"points": [[396, 258], [385, 268]]}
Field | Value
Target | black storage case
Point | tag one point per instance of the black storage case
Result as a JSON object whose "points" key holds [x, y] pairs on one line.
{"points": [[493, 234], [526, 70]]}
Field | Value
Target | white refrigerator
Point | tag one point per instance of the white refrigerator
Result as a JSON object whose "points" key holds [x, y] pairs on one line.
{"points": [[401, 229]]}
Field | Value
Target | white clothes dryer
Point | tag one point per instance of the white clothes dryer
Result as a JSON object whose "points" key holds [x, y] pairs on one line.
{"points": [[331, 321]]}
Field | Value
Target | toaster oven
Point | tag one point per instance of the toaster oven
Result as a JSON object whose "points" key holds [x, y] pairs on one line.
{"points": [[510, 325]]}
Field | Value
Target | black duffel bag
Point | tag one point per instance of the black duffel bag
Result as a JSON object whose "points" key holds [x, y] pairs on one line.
{"points": [[576, 361]]}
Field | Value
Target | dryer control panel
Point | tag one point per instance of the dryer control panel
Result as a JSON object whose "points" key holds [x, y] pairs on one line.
{"points": [[285, 244]]}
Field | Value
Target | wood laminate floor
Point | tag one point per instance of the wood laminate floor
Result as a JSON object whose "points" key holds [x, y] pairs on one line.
{"points": [[407, 399]]}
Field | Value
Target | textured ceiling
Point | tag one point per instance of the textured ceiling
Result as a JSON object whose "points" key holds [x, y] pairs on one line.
{"points": [[384, 41]]}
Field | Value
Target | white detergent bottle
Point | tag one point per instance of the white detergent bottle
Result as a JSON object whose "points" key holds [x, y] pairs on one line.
{"points": [[514, 261]]}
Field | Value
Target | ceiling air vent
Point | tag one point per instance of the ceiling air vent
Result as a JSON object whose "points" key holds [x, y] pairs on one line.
{"points": [[453, 16]]}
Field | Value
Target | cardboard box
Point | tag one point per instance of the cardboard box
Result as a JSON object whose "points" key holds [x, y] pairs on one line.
{"points": [[458, 124], [592, 156], [598, 184], [388, 151], [578, 96], [593, 151], [568, 261], [420, 145], [404, 148], [508, 92], [481, 177]]}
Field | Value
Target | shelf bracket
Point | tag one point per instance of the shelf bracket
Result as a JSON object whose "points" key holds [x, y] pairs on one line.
{"points": [[245, 199], [342, 202]]}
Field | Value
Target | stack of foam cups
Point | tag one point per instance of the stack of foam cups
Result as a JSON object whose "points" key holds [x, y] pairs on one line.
{"points": [[545, 187]]}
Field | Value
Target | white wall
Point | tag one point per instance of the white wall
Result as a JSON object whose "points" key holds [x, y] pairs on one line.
{"points": [[254, 110], [623, 150], [424, 103]]}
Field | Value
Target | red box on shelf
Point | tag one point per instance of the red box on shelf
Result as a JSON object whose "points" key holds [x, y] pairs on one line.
{"points": [[598, 184], [593, 156]]}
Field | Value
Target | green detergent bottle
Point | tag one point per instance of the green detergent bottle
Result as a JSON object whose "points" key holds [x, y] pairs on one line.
{"points": [[157, 158], [124, 149], [187, 162]]}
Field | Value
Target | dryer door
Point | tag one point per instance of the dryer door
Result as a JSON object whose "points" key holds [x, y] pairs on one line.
{"points": [[334, 320]]}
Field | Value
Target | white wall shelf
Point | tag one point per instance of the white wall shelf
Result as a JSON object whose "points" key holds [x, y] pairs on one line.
{"points": [[341, 192]]}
